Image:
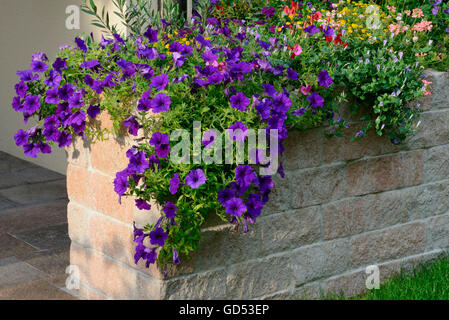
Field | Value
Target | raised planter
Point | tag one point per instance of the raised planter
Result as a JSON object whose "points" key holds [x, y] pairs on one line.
{"points": [[341, 207]]}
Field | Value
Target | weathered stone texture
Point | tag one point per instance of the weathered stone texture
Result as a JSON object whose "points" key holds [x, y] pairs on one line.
{"points": [[341, 207]]}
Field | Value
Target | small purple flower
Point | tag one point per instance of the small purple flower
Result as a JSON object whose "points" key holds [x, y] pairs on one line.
{"points": [[244, 175], [161, 102], [90, 64], [235, 207], [138, 162], [174, 184], [209, 138], [81, 44], [60, 64], [239, 101], [142, 204], [21, 89], [93, 111], [121, 183], [268, 12], [209, 57], [31, 150], [160, 82], [315, 100], [299, 112], [324, 79], [65, 92], [225, 195], [196, 178], [312, 30], [176, 257], [132, 124], [21, 137], [160, 141], [151, 35], [158, 237], [31, 104], [170, 210], [38, 66], [292, 74], [329, 32], [238, 131]]}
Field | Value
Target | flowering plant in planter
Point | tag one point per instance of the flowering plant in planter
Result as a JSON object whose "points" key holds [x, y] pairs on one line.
{"points": [[234, 77]]}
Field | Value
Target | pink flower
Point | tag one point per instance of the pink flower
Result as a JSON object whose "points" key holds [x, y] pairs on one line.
{"points": [[305, 90], [297, 50]]}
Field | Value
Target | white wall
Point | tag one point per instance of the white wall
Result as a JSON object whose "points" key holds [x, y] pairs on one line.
{"points": [[28, 26]]}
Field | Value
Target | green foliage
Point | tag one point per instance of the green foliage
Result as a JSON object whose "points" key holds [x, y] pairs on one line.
{"points": [[135, 15]]}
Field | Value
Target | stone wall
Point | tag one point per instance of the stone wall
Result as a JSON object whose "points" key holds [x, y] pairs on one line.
{"points": [[341, 207]]}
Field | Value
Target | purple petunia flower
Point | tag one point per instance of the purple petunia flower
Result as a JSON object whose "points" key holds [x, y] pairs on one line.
{"points": [[239, 101], [196, 178], [254, 206], [81, 44], [31, 150], [238, 131], [132, 124], [174, 184], [225, 195], [76, 101], [93, 111], [60, 64], [299, 112], [268, 12], [138, 162], [235, 207], [53, 80], [170, 210], [65, 92], [292, 74], [121, 183], [158, 237], [21, 137], [208, 138], [90, 64], [324, 79], [160, 82], [27, 75], [176, 257], [160, 141], [64, 139], [161, 102], [21, 89], [151, 35], [209, 56], [312, 29], [244, 175], [329, 32], [38, 66], [281, 103], [31, 104], [142, 204], [315, 100]]}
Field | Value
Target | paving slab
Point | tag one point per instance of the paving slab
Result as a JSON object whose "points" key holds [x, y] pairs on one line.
{"points": [[46, 238], [32, 217], [12, 247], [9, 163], [28, 194], [28, 176], [34, 290], [52, 262], [14, 271], [6, 204]]}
